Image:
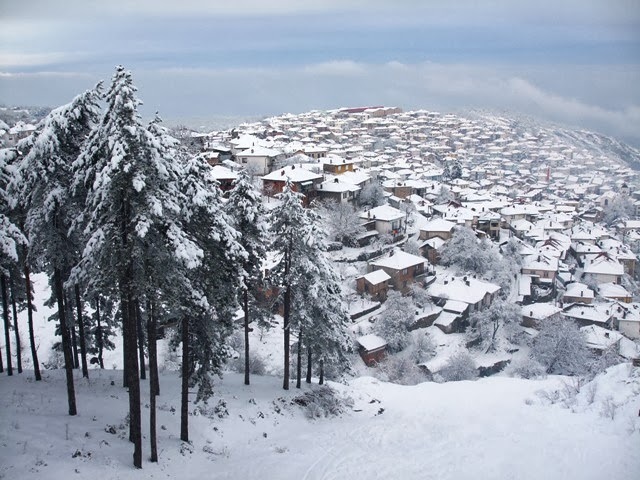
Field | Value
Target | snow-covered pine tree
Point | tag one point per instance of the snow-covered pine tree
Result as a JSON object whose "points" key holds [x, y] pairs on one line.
{"points": [[42, 185], [131, 218], [208, 307], [11, 241], [247, 213], [313, 305], [324, 317], [293, 233]]}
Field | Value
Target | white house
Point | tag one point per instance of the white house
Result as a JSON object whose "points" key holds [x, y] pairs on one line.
{"points": [[388, 220]]}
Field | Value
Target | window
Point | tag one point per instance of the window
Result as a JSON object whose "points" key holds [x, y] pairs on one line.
{"points": [[244, 159], [405, 271], [344, 195]]}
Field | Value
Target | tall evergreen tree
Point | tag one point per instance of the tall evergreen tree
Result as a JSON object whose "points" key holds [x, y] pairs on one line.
{"points": [[208, 307], [294, 233], [247, 212], [130, 215], [43, 186], [11, 239]]}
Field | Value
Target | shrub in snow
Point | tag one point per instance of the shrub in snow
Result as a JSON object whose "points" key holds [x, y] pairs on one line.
{"points": [[526, 368], [401, 369], [322, 401], [422, 348], [393, 323], [459, 367], [257, 365], [560, 347], [489, 326]]}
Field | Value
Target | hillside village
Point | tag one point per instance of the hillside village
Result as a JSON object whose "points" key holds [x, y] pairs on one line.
{"points": [[569, 206]]}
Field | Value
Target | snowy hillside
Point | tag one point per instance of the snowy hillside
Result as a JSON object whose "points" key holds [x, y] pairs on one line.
{"points": [[493, 428]]}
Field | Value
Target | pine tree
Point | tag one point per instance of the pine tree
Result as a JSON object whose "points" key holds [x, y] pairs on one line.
{"points": [[208, 305], [293, 232], [130, 216], [43, 186], [245, 208], [311, 287], [11, 239]]}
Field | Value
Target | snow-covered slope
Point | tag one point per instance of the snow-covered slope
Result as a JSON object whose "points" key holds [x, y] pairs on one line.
{"points": [[494, 428]]}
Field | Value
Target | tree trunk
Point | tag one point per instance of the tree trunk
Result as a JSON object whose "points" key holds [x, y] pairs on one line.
{"points": [[66, 341], [72, 327], [143, 370], [299, 360], [99, 337], [125, 349], [287, 309], [1, 365], [130, 337], [32, 340], [83, 344], [5, 316], [245, 306], [321, 382], [133, 381], [152, 327], [308, 379], [184, 411], [16, 329], [153, 380]]}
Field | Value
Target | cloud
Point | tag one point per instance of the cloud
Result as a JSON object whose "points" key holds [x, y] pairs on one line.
{"points": [[544, 91], [336, 68]]}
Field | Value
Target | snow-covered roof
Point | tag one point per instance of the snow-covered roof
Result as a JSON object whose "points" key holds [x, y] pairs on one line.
{"points": [[540, 311], [469, 291], [446, 318], [577, 289], [455, 306], [219, 172], [612, 290], [371, 342], [385, 213], [336, 186], [399, 260], [604, 265], [294, 173], [376, 277], [438, 225]]}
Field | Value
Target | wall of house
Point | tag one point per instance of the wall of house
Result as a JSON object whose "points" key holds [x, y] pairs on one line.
{"points": [[629, 329], [372, 358]]}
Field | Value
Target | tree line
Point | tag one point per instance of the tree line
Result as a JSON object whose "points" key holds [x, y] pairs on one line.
{"points": [[135, 236]]}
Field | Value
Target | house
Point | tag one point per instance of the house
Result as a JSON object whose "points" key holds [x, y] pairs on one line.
{"points": [[372, 349], [604, 269], [599, 339], [535, 313], [388, 220], [224, 176], [438, 227], [431, 249], [478, 294], [627, 320], [542, 268], [613, 291], [375, 283], [403, 268], [595, 314], [337, 191], [578, 293], [302, 180], [258, 160], [335, 165], [453, 316]]}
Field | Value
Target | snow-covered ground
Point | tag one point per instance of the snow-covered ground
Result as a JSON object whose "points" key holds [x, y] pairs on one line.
{"points": [[493, 428]]}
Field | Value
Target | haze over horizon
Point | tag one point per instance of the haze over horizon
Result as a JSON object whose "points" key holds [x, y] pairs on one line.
{"points": [[571, 62]]}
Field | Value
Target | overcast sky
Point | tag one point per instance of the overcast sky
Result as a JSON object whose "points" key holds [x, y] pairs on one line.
{"points": [[575, 62]]}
